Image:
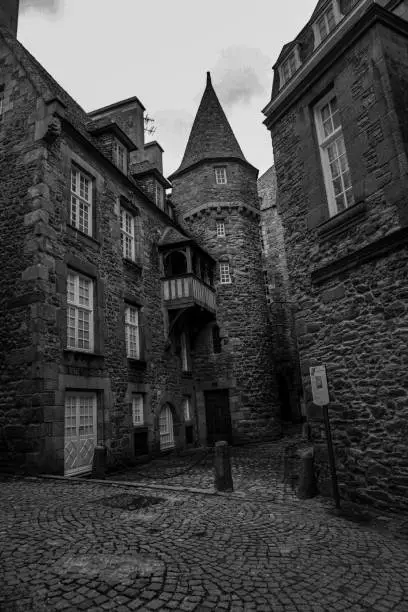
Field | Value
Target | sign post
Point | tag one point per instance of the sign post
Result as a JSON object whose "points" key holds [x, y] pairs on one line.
{"points": [[321, 398]]}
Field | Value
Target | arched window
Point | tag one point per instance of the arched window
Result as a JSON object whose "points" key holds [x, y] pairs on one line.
{"points": [[166, 428]]}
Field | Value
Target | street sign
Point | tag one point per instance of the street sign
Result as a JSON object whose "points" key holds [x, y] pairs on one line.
{"points": [[319, 385]]}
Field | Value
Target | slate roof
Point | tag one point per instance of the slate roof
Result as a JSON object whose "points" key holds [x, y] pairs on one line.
{"points": [[211, 136], [172, 236]]}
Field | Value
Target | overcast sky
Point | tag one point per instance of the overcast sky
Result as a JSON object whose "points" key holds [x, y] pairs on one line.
{"points": [[103, 51]]}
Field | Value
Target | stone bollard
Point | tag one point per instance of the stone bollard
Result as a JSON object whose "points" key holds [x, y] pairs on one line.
{"points": [[307, 483], [222, 467], [99, 462]]}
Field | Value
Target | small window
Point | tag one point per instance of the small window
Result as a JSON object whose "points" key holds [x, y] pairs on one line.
{"points": [[220, 229], [137, 409], [266, 281], [333, 155], [80, 333], [216, 339], [120, 155], [220, 175], [81, 201], [187, 408], [185, 353], [132, 332], [225, 277], [127, 234]]}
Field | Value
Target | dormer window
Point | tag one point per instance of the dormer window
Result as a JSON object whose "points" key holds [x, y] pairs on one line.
{"points": [[159, 195], [289, 66], [326, 22], [120, 156]]}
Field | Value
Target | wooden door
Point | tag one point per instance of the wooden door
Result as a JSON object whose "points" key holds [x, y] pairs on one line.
{"points": [[218, 416], [80, 432]]}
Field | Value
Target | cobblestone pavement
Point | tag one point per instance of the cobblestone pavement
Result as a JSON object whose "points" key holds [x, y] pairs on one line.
{"points": [[266, 469], [82, 545]]}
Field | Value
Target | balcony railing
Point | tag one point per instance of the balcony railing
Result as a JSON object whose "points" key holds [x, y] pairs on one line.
{"points": [[187, 290]]}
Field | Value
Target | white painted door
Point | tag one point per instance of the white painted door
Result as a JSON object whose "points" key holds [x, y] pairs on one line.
{"points": [[166, 428], [80, 432]]}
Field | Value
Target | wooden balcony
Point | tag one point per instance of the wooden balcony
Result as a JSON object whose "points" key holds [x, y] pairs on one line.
{"points": [[187, 290]]}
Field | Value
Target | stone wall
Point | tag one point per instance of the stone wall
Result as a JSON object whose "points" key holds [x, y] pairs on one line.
{"points": [[348, 273], [279, 298]]}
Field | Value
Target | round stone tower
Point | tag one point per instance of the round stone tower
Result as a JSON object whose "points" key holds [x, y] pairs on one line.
{"points": [[216, 201]]}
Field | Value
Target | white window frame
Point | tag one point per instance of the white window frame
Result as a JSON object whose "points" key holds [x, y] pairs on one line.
{"points": [[220, 229], [220, 173], [187, 412], [120, 156], [80, 313], [334, 6], [127, 234], [81, 205], [225, 275], [325, 141], [132, 331], [138, 419], [295, 56]]}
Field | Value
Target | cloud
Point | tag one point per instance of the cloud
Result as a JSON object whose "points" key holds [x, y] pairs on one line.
{"points": [[241, 74], [45, 6], [172, 130]]}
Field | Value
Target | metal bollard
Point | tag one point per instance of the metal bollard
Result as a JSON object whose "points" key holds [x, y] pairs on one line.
{"points": [[99, 462], [222, 467], [307, 483]]}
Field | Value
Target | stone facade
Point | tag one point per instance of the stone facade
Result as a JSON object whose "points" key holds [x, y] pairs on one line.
{"points": [[279, 299], [348, 271], [49, 389]]}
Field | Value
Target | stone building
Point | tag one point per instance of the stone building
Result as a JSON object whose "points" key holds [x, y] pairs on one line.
{"points": [[121, 325], [338, 122], [279, 299]]}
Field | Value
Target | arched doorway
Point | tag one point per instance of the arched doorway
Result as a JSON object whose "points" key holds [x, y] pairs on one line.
{"points": [[166, 428]]}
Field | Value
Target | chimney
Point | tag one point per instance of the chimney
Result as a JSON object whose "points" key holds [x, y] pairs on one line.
{"points": [[9, 14]]}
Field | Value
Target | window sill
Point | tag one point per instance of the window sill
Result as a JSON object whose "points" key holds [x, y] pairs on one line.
{"points": [[342, 221], [136, 364], [132, 264], [78, 235]]}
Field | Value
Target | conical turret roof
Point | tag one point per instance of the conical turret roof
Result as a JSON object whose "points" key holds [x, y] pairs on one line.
{"points": [[211, 136]]}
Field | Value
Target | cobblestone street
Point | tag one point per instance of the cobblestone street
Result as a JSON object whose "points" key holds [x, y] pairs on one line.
{"points": [[83, 545]]}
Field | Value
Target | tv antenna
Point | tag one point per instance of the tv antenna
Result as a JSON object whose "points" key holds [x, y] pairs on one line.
{"points": [[149, 126]]}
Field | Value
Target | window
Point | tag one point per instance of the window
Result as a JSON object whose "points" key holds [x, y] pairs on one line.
{"points": [[220, 229], [120, 156], [81, 201], [132, 332], [289, 66], [326, 23], [159, 195], [220, 175], [225, 277], [187, 408], [1, 104], [216, 339], [127, 234], [137, 409], [333, 155], [185, 353], [79, 313]]}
